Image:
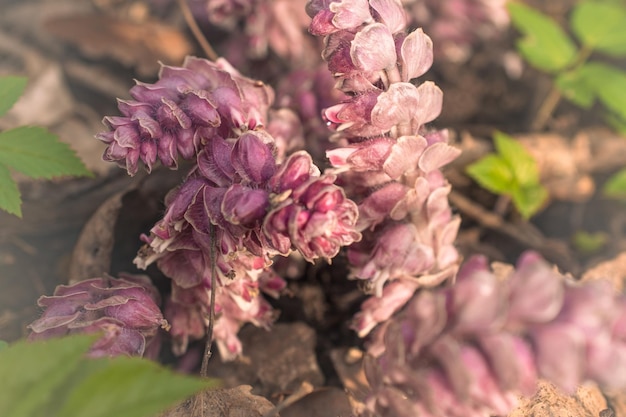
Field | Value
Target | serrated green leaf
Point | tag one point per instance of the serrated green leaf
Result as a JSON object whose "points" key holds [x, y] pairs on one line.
{"points": [[601, 26], [11, 89], [521, 163], [528, 200], [10, 199], [32, 372], [574, 86], [544, 44], [37, 153], [615, 187], [129, 387], [493, 173], [609, 83]]}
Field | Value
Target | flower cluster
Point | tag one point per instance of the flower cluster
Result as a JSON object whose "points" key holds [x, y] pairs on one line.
{"points": [[257, 209], [179, 113], [238, 207], [469, 350], [457, 26], [125, 310], [262, 25], [388, 161]]}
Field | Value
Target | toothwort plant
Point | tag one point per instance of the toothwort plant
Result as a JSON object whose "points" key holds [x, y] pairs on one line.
{"points": [[467, 348]]}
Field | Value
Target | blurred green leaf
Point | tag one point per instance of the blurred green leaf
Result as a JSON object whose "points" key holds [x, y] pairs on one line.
{"points": [[522, 164], [10, 200], [11, 89], [37, 153], [544, 44], [493, 173], [3, 345], [575, 87], [130, 387], [512, 171], [528, 200], [609, 83], [589, 242], [32, 373], [601, 26], [615, 187], [53, 378], [616, 122]]}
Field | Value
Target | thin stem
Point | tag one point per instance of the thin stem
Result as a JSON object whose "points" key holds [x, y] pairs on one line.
{"points": [[554, 96], [547, 108], [195, 29], [207, 348]]}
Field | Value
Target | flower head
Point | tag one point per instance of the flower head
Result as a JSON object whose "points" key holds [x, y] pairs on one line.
{"points": [[124, 309]]}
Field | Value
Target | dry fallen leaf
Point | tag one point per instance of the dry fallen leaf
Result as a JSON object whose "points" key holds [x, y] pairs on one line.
{"points": [[141, 45], [613, 270], [232, 402], [588, 401]]}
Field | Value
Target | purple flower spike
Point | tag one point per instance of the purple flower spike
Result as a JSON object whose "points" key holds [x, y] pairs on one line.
{"points": [[183, 110], [125, 310], [467, 350]]}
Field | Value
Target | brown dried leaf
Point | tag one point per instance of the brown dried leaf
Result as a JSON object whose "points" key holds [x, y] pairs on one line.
{"points": [[140, 45], [613, 270], [232, 402], [550, 402], [92, 252]]}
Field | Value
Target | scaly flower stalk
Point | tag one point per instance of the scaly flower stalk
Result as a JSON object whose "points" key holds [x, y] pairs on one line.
{"points": [[388, 162], [471, 349]]}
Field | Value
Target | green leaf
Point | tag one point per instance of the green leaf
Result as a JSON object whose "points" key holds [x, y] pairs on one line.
{"points": [[574, 86], [10, 200], [521, 163], [37, 153], [601, 26], [589, 242], [493, 173], [53, 378], [615, 187], [11, 89], [528, 200], [544, 44], [129, 387], [617, 123], [32, 372], [609, 83]]}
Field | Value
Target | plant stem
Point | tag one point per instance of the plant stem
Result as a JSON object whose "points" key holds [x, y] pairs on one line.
{"points": [[207, 347], [197, 33], [554, 96]]}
